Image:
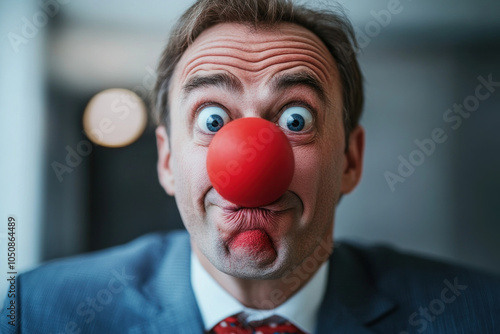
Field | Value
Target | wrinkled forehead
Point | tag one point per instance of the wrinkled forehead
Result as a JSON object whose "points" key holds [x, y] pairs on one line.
{"points": [[260, 52]]}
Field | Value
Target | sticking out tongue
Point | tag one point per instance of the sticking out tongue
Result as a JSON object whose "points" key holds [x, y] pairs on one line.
{"points": [[253, 243]]}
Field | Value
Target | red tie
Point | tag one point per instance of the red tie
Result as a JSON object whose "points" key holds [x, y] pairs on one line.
{"points": [[231, 325]]}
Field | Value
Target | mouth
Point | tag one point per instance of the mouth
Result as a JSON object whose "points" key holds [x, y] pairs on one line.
{"points": [[253, 244], [252, 234], [242, 219], [249, 233], [285, 202], [235, 219]]}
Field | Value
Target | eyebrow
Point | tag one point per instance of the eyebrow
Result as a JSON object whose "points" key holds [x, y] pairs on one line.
{"points": [[288, 80], [225, 81], [231, 83]]}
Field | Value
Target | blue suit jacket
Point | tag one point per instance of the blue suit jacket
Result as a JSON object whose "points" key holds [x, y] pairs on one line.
{"points": [[144, 287]]}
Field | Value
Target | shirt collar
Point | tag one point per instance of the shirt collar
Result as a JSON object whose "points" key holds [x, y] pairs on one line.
{"points": [[216, 304]]}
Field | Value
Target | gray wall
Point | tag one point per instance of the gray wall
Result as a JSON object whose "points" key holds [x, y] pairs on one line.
{"points": [[447, 207]]}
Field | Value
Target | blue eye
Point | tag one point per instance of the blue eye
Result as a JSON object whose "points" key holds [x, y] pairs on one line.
{"points": [[296, 119], [212, 119]]}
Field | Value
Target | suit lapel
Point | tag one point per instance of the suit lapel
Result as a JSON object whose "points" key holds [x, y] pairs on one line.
{"points": [[171, 291], [351, 301], [336, 318]]}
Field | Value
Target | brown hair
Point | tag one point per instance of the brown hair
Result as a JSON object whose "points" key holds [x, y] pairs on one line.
{"points": [[331, 26]]}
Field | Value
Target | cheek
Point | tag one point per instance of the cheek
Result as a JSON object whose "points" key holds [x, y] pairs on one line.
{"points": [[318, 170], [189, 161], [191, 179], [307, 176], [331, 166]]}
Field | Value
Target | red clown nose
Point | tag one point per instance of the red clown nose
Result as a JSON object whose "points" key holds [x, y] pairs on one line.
{"points": [[250, 162]]}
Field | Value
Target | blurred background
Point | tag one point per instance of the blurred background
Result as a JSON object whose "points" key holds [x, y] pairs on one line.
{"points": [[421, 59]]}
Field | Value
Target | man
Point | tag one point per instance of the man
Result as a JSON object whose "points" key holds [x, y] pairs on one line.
{"points": [[294, 67]]}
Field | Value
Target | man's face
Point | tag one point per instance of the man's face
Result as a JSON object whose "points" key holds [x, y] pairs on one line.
{"points": [[233, 72]]}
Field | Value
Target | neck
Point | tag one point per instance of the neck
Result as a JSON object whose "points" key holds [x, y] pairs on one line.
{"points": [[269, 294]]}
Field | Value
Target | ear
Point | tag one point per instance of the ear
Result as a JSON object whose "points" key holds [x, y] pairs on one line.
{"points": [[353, 160], [165, 172]]}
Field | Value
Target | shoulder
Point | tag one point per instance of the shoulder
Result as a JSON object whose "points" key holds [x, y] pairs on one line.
{"points": [[430, 294], [138, 258], [392, 267], [73, 292]]}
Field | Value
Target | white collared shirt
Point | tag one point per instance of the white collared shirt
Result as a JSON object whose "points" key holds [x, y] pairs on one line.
{"points": [[216, 304]]}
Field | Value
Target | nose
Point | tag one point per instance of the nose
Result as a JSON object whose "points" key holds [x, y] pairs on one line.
{"points": [[250, 162]]}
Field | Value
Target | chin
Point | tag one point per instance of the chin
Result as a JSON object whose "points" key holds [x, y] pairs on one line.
{"points": [[254, 272], [259, 267]]}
